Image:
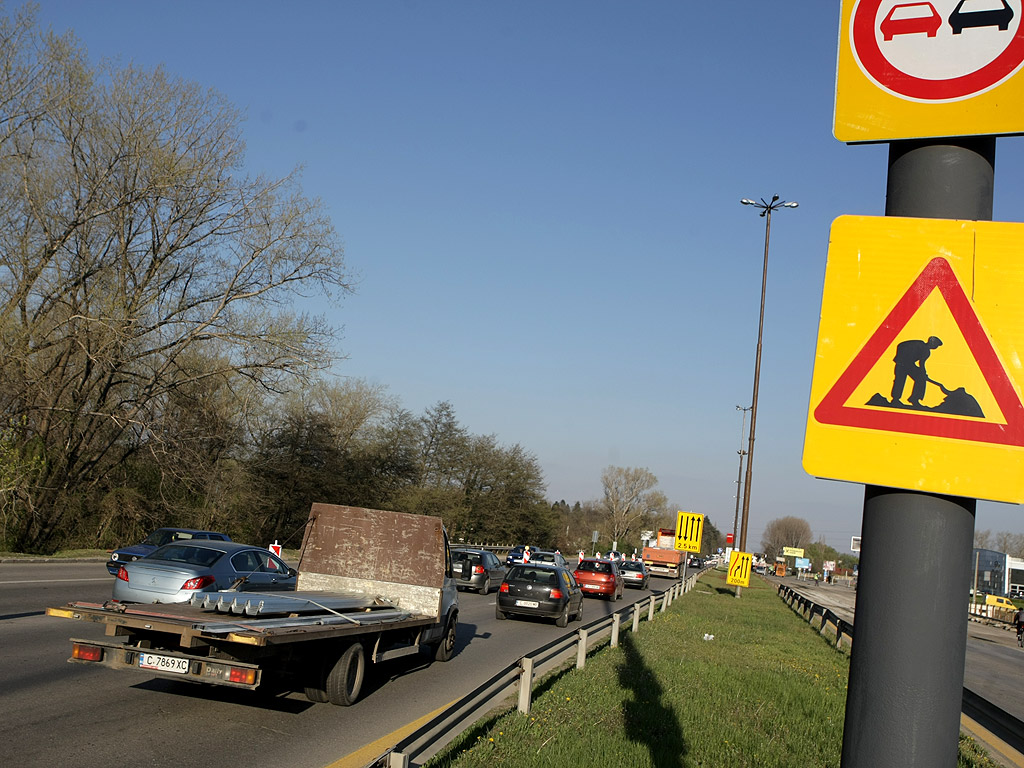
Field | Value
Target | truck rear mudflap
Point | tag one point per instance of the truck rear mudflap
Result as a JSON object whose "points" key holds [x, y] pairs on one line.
{"points": [[175, 666]]}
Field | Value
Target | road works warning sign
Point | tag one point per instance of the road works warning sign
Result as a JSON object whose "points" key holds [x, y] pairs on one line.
{"points": [[918, 372], [921, 69]]}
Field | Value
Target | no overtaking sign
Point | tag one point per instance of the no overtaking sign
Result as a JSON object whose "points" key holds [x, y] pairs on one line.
{"points": [[915, 69]]}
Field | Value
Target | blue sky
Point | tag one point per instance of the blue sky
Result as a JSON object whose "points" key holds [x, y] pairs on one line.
{"points": [[541, 202]]}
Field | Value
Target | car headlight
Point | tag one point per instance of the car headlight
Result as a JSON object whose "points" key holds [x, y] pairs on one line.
{"points": [[114, 556]]}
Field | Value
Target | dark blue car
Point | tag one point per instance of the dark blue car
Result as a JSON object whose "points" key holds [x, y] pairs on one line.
{"points": [[158, 538]]}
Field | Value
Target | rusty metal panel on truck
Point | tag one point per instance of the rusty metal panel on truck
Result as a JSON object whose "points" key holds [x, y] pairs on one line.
{"points": [[400, 557]]}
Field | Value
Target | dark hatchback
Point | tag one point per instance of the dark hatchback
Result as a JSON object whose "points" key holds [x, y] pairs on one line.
{"points": [[548, 591], [477, 569]]}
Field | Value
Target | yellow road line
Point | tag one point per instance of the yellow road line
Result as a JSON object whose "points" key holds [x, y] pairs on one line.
{"points": [[363, 755], [993, 743]]}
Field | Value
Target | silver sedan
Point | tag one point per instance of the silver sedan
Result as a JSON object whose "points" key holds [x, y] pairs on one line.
{"points": [[176, 571]]}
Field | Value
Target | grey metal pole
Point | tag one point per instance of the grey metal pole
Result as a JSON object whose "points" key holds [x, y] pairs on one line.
{"points": [[739, 477], [753, 397], [906, 670]]}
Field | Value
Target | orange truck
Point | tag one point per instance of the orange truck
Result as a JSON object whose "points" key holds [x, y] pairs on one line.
{"points": [[663, 559]]}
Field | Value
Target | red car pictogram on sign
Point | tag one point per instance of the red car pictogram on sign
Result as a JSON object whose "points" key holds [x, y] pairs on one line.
{"points": [[910, 19]]}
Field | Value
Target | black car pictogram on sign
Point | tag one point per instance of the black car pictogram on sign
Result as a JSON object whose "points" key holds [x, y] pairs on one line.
{"points": [[988, 16]]}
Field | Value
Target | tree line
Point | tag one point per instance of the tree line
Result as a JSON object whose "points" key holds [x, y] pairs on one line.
{"points": [[154, 369], [796, 532]]}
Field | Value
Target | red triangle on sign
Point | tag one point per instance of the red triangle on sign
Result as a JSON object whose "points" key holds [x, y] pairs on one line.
{"points": [[938, 274]]}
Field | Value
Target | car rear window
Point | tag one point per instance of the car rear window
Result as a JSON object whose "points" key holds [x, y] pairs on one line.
{"points": [[182, 553], [466, 557], [534, 575], [595, 566], [629, 565]]}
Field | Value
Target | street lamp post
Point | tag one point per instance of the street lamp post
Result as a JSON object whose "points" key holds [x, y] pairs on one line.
{"points": [[767, 208], [739, 476]]}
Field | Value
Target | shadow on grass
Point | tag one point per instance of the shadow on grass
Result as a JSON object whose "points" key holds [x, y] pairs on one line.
{"points": [[649, 719]]}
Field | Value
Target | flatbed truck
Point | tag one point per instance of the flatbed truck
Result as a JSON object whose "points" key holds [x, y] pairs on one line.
{"points": [[372, 585]]}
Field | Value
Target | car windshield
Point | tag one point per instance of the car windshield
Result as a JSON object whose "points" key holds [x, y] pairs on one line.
{"points": [[533, 575], [595, 566], [160, 537], [183, 553]]}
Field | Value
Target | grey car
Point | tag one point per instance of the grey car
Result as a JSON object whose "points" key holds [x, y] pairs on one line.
{"points": [[551, 558], [175, 572], [634, 573], [477, 569]]}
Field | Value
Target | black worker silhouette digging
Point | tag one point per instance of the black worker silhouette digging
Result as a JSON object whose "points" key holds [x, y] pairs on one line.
{"points": [[910, 364]]}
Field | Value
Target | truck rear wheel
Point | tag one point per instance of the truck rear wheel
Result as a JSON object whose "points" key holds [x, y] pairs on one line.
{"points": [[345, 680], [446, 648], [315, 686]]}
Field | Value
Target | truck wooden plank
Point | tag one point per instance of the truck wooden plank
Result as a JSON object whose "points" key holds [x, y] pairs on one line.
{"points": [[373, 585]]}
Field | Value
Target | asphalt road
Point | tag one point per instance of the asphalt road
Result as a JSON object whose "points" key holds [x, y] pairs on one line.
{"points": [[57, 713], [993, 663]]}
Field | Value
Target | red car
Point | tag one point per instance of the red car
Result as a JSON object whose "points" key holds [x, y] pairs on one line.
{"points": [[599, 577]]}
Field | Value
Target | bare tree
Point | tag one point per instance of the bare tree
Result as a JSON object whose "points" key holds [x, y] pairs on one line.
{"points": [[131, 246], [630, 498], [785, 532]]}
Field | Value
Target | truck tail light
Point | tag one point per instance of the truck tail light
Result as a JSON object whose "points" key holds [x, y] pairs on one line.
{"points": [[199, 582], [122, 573], [84, 652], [242, 675]]}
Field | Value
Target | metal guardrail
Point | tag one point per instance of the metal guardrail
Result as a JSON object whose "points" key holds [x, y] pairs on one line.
{"points": [[1000, 722], [519, 678], [827, 620]]}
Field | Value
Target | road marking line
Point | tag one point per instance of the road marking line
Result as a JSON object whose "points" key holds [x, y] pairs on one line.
{"points": [[988, 739], [375, 749]]}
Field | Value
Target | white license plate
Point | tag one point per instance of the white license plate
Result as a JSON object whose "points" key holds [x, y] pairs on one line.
{"points": [[527, 603], [590, 586], [163, 663]]}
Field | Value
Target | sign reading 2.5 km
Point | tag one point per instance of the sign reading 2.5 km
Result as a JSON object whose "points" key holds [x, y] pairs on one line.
{"points": [[934, 68]]}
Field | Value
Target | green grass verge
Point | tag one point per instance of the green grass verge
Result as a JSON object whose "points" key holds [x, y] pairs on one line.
{"points": [[766, 691], [64, 554]]}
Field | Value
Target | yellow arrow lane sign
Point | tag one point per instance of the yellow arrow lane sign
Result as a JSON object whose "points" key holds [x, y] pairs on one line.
{"points": [[689, 531], [740, 564]]}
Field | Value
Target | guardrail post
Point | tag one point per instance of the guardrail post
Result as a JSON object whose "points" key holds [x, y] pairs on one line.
{"points": [[398, 760], [664, 602], [525, 684], [636, 618], [650, 609], [581, 649], [616, 620]]}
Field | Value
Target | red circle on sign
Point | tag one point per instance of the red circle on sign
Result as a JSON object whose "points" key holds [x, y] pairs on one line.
{"points": [[888, 76]]}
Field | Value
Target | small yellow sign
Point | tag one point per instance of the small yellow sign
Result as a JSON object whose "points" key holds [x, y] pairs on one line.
{"points": [[792, 552], [689, 531], [916, 70], [920, 358], [740, 564]]}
